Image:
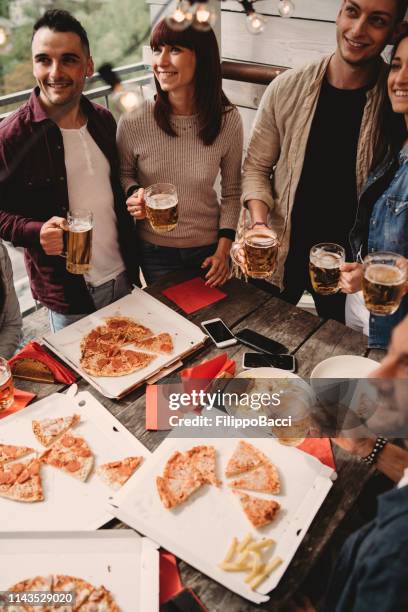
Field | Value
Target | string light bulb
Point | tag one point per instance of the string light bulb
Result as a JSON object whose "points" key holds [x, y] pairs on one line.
{"points": [[129, 99], [181, 18], [255, 23], [5, 35], [286, 8], [205, 16]]}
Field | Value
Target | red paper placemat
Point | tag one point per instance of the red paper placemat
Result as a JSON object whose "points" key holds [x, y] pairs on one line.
{"points": [[319, 448], [193, 295]]}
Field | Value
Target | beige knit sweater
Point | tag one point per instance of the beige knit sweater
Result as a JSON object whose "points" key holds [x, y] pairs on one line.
{"points": [[148, 155]]}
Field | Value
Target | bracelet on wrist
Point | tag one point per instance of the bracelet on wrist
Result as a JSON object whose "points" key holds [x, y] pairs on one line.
{"points": [[371, 459]]}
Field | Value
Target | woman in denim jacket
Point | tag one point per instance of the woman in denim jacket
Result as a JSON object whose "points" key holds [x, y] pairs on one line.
{"points": [[382, 217]]}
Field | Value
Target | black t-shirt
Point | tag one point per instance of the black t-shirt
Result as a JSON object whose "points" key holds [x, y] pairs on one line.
{"points": [[326, 199]]}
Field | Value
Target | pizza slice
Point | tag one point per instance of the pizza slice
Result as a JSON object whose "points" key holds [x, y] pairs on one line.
{"points": [[72, 455], [129, 328], [180, 480], [38, 583], [116, 473], [8, 452], [22, 481], [162, 343], [100, 600], [203, 458], [47, 431], [245, 457], [264, 478], [116, 363], [80, 587], [259, 511]]}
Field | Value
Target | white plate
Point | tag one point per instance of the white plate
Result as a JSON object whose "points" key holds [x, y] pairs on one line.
{"points": [[267, 373], [120, 560], [146, 310], [69, 503], [344, 366], [201, 530]]}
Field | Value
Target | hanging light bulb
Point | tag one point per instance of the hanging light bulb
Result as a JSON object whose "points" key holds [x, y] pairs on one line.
{"points": [[181, 17], [129, 98], [286, 8], [205, 16], [5, 35], [255, 23]]}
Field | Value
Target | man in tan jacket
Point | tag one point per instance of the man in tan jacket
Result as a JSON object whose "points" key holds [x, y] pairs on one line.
{"points": [[312, 146]]}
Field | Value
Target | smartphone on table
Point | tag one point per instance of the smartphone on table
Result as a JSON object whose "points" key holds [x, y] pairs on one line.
{"points": [[260, 343], [260, 360], [219, 333]]}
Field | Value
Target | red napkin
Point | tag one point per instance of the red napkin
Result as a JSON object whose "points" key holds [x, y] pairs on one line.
{"points": [[34, 351], [193, 295], [21, 399], [170, 583], [319, 448]]}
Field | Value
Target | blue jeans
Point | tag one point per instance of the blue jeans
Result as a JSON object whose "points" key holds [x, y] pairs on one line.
{"points": [[156, 261], [102, 296]]}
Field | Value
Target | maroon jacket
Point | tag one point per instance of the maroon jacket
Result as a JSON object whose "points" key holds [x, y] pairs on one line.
{"points": [[33, 188]]}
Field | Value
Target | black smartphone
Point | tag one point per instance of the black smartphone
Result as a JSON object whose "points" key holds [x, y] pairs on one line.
{"points": [[260, 343], [259, 360]]}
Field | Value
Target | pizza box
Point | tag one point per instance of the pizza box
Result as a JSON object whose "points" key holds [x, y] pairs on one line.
{"points": [[69, 503], [120, 560], [146, 310], [201, 530]]}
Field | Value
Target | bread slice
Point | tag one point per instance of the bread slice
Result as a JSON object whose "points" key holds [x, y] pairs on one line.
{"points": [[245, 457], [259, 511], [264, 478]]}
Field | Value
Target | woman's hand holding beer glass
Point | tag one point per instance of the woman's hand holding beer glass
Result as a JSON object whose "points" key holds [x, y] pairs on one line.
{"points": [[52, 236], [136, 205]]}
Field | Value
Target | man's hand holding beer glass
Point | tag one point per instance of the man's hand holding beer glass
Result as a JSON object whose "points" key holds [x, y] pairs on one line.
{"points": [[52, 236], [351, 277], [136, 205]]}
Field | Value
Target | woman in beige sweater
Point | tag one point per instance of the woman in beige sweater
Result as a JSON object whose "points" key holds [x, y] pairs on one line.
{"points": [[186, 136]]}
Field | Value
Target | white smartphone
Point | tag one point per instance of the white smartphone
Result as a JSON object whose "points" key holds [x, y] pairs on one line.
{"points": [[219, 333], [259, 360]]}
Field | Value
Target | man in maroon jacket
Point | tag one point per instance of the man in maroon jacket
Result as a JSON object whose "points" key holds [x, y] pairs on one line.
{"points": [[58, 154]]}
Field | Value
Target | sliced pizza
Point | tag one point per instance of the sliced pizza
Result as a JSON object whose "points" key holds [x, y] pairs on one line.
{"points": [[9, 452], [259, 511], [72, 455], [180, 480], [22, 481], [116, 473], [264, 478], [120, 363], [47, 431], [162, 343], [80, 587], [245, 457], [203, 458], [131, 329], [100, 600]]}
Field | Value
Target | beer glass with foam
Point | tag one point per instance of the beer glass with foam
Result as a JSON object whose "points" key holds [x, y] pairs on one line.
{"points": [[324, 267], [6, 385], [384, 278], [259, 245], [79, 241], [162, 206]]}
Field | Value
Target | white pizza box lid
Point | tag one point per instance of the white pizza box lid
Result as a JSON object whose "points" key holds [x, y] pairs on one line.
{"points": [[145, 309], [124, 562]]}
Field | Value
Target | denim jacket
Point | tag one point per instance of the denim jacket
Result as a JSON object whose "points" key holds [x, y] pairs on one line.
{"points": [[387, 231]]}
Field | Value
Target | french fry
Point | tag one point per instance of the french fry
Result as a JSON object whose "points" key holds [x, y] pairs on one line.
{"points": [[242, 545], [260, 577], [231, 551], [235, 567], [243, 557], [257, 568], [265, 543]]}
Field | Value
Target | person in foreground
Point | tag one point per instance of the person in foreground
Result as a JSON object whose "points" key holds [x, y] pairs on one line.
{"points": [[185, 136], [382, 220], [315, 134], [10, 316], [371, 572], [58, 154]]}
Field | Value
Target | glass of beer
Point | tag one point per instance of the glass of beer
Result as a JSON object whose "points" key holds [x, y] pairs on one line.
{"points": [[324, 267], [162, 206], [259, 245], [79, 241], [6, 385], [384, 278]]}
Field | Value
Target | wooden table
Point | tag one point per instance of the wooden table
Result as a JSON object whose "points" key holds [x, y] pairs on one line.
{"points": [[311, 340]]}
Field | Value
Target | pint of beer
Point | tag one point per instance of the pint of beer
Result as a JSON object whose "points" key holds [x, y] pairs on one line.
{"points": [[79, 241], [324, 267], [6, 385], [162, 206], [259, 245], [385, 275]]}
